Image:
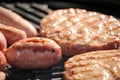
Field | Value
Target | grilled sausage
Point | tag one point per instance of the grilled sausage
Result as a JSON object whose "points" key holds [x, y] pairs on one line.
{"points": [[33, 53], [2, 75], [96, 65], [79, 30], [3, 43], [12, 34], [10, 18], [3, 61]]}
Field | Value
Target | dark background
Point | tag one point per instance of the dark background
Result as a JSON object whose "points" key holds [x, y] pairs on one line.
{"points": [[111, 7]]}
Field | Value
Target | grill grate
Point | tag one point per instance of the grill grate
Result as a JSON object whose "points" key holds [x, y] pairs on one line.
{"points": [[34, 12]]}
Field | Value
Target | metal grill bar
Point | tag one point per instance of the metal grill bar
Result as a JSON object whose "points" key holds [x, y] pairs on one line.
{"points": [[41, 7], [27, 8]]}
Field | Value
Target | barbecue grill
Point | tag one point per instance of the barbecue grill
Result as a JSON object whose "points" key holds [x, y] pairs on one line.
{"points": [[34, 11]]}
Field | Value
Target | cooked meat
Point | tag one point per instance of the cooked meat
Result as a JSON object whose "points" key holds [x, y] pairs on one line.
{"points": [[33, 53], [96, 65], [2, 75], [12, 34], [79, 31], [3, 43], [10, 18], [3, 61]]}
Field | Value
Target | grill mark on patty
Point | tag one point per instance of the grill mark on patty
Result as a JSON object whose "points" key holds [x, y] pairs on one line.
{"points": [[81, 71], [66, 28], [95, 64], [80, 30], [90, 58]]}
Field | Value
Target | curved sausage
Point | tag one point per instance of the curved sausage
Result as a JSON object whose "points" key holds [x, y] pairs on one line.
{"points": [[10, 18], [12, 34], [2, 75], [3, 61], [33, 53], [3, 43]]}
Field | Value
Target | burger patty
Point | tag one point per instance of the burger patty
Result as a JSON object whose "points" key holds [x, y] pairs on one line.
{"points": [[79, 30], [96, 65]]}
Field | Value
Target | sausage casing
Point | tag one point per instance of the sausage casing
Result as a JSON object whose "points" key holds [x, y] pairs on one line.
{"points": [[3, 61], [33, 53], [2, 75], [10, 18], [12, 34], [3, 43]]}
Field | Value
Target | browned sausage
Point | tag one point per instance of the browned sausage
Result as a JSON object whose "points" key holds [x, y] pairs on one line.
{"points": [[2, 75], [3, 61], [10, 18], [3, 43], [32, 53], [12, 34]]}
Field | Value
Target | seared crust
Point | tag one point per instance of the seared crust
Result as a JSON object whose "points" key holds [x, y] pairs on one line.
{"points": [[97, 65], [79, 31], [33, 53]]}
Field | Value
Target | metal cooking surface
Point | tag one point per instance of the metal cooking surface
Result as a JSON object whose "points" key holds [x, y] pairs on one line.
{"points": [[34, 12]]}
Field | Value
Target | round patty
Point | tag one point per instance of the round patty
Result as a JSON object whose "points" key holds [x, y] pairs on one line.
{"points": [[96, 65], [79, 31]]}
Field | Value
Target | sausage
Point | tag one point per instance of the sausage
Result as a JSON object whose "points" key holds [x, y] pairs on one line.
{"points": [[2, 75], [10, 18], [3, 43], [12, 34], [33, 53], [3, 61]]}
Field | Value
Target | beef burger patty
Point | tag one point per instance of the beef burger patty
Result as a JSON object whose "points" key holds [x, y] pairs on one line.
{"points": [[79, 31], [96, 65]]}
